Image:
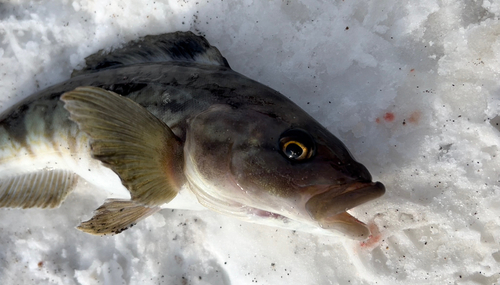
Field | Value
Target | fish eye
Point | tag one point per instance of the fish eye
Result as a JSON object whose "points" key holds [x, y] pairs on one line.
{"points": [[297, 145]]}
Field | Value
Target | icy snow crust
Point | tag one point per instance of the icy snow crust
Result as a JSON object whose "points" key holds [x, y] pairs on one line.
{"points": [[411, 87]]}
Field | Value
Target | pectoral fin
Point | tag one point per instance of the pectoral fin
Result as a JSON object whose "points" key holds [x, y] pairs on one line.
{"points": [[115, 216], [41, 189], [131, 141]]}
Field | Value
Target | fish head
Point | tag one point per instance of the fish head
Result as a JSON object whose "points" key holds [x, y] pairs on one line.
{"points": [[268, 166]]}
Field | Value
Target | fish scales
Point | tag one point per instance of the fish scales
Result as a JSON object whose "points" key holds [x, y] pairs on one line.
{"points": [[175, 94], [184, 126]]}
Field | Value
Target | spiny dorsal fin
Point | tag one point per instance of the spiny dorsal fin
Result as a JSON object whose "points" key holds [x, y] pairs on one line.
{"points": [[115, 216], [178, 46], [41, 189], [131, 141]]}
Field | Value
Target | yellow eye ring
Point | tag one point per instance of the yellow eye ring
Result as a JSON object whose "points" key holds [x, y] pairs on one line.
{"points": [[297, 145], [296, 150]]}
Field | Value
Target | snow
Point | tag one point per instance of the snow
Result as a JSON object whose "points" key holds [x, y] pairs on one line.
{"points": [[411, 87]]}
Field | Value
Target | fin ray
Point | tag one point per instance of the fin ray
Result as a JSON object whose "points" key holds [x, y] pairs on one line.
{"points": [[131, 141], [115, 216], [178, 46], [42, 189]]}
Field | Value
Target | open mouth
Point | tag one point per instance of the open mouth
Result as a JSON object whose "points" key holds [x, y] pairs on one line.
{"points": [[336, 201], [329, 208]]}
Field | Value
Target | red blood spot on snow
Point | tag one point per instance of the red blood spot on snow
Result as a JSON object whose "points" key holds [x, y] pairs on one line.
{"points": [[413, 69], [377, 120], [414, 117], [389, 117]]}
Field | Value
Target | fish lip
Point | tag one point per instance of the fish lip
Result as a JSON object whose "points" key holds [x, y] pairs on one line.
{"points": [[363, 185], [340, 198]]}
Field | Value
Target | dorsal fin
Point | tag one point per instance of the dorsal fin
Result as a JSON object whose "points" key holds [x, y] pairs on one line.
{"points": [[178, 46]]}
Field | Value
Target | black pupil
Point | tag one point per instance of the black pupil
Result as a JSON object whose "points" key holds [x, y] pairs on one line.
{"points": [[293, 150]]}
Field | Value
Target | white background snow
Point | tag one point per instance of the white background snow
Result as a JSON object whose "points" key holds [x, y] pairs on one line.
{"points": [[411, 87]]}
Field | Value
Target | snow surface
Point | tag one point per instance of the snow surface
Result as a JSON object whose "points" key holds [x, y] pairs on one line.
{"points": [[411, 87]]}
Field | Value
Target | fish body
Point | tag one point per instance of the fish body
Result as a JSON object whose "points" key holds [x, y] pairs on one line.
{"points": [[165, 122]]}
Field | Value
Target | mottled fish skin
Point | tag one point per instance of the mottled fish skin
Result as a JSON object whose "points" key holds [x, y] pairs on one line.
{"points": [[230, 126]]}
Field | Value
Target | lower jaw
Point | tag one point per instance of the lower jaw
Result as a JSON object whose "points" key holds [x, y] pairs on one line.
{"points": [[330, 203]]}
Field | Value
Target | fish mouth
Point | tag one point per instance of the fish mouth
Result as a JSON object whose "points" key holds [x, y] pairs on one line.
{"points": [[336, 200]]}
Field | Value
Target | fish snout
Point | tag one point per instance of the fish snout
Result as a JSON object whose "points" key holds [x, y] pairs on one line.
{"points": [[361, 173]]}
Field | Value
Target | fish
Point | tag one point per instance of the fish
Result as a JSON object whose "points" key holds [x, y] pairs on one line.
{"points": [[164, 122]]}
